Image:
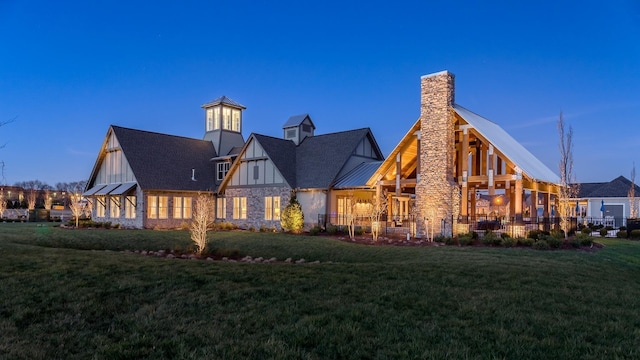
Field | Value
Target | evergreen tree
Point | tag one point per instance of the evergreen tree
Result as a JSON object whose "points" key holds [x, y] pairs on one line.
{"points": [[292, 218]]}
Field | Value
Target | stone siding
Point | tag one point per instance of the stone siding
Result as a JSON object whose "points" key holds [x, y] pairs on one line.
{"points": [[436, 192], [255, 205]]}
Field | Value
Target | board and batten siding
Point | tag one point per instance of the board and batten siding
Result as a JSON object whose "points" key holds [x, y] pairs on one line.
{"points": [[114, 167], [255, 168], [364, 152]]}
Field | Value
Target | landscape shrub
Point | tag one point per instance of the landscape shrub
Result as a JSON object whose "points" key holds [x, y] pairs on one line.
{"points": [[552, 241], [586, 230], [490, 238], [292, 218], [332, 229], [526, 242], [622, 234], [439, 238], [508, 242], [622, 228], [575, 242], [609, 227], [227, 252], [505, 235], [585, 240], [635, 234], [541, 245], [450, 241], [536, 234], [603, 232], [465, 240], [314, 231], [359, 230]]}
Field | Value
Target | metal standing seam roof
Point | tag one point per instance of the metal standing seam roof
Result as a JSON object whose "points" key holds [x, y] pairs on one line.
{"points": [[224, 100], [513, 150], [297, 120], [123, 188], [107, 189], [357, 178]]}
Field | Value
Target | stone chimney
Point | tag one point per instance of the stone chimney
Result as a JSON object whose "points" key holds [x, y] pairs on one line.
{"points": [[437, 194]]}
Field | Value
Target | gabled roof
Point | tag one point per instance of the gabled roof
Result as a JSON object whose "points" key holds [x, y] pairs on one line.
{"points": [[224, 100], [297, 120], [165, 162], [320, 158], [618, 187], [283, 154], [357, 178], [508, 146]]}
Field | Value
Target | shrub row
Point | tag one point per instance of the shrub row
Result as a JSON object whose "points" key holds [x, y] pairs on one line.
{"points": [[540, 242]]}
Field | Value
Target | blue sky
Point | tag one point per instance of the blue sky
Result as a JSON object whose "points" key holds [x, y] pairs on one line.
{"points": [[69, 69]]}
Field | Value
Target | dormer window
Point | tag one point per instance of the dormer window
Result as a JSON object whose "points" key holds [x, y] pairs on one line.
{"points": [[223, 168]]}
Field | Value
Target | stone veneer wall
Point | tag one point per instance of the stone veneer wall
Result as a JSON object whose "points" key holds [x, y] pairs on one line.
{"points": [[436, 191], [255, 205]]}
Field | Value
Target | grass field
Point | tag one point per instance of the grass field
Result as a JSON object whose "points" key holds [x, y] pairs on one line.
{"points": [[68, 294]]}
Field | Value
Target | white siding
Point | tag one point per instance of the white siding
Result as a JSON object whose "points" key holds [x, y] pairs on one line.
{"points": [[313, 203], [114, 167]]}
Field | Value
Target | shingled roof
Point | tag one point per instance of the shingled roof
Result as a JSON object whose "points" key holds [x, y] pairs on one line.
{"points": [[321, 157], [618, 187], [282, 153], [165, 162]]}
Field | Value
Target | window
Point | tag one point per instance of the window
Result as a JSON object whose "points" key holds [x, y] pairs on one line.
{"points": [[221, 208], [272, 208], [209, 119], [235, 114], [152, 207], [157, 207], [181, 207], [101, 206], [130, 207], [223, 168], [344, 210], [239, 207], [226, 118], [114, 206]]}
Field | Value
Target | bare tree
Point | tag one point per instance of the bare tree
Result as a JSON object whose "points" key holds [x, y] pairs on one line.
{"points": [[350, 216], [568, 186], [3, 203], [77, 206], [633, 205], [378, 208], [202, 219]]}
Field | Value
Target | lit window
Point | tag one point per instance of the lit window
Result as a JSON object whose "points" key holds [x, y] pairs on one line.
{"points": [[163, 207], [157, 207], [272, 208], [130, 207], [223, 168], [152, 207], [181, 207], [235, 125], [226, 118], [221, 208], [209, 119], [239, 207], [114, 206], [101, 206]]}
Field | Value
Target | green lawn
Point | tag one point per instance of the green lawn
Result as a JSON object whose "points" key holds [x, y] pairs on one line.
{"points": [[74, 294]]}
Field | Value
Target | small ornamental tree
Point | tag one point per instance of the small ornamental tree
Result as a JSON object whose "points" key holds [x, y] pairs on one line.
{"points": [[77, 206], [377, 209], [292, 218], [3, 203], [202, 219]]}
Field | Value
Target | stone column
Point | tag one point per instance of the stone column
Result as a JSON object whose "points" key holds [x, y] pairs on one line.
{"points": [[437, 191]]}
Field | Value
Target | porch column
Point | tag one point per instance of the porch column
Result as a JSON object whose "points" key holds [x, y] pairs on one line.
{"points": [[472, 191], [547, 205], [518, 205], [533, 207], [398, 173], [492, 188], [464, 160], [389, 206]]}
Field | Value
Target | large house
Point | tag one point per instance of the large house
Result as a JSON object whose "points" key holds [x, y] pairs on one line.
{"points": [[451, 166], [607, 202], [144, 179]]}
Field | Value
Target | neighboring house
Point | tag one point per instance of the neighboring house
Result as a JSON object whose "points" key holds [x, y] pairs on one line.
{"points": [[606, 202]]}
